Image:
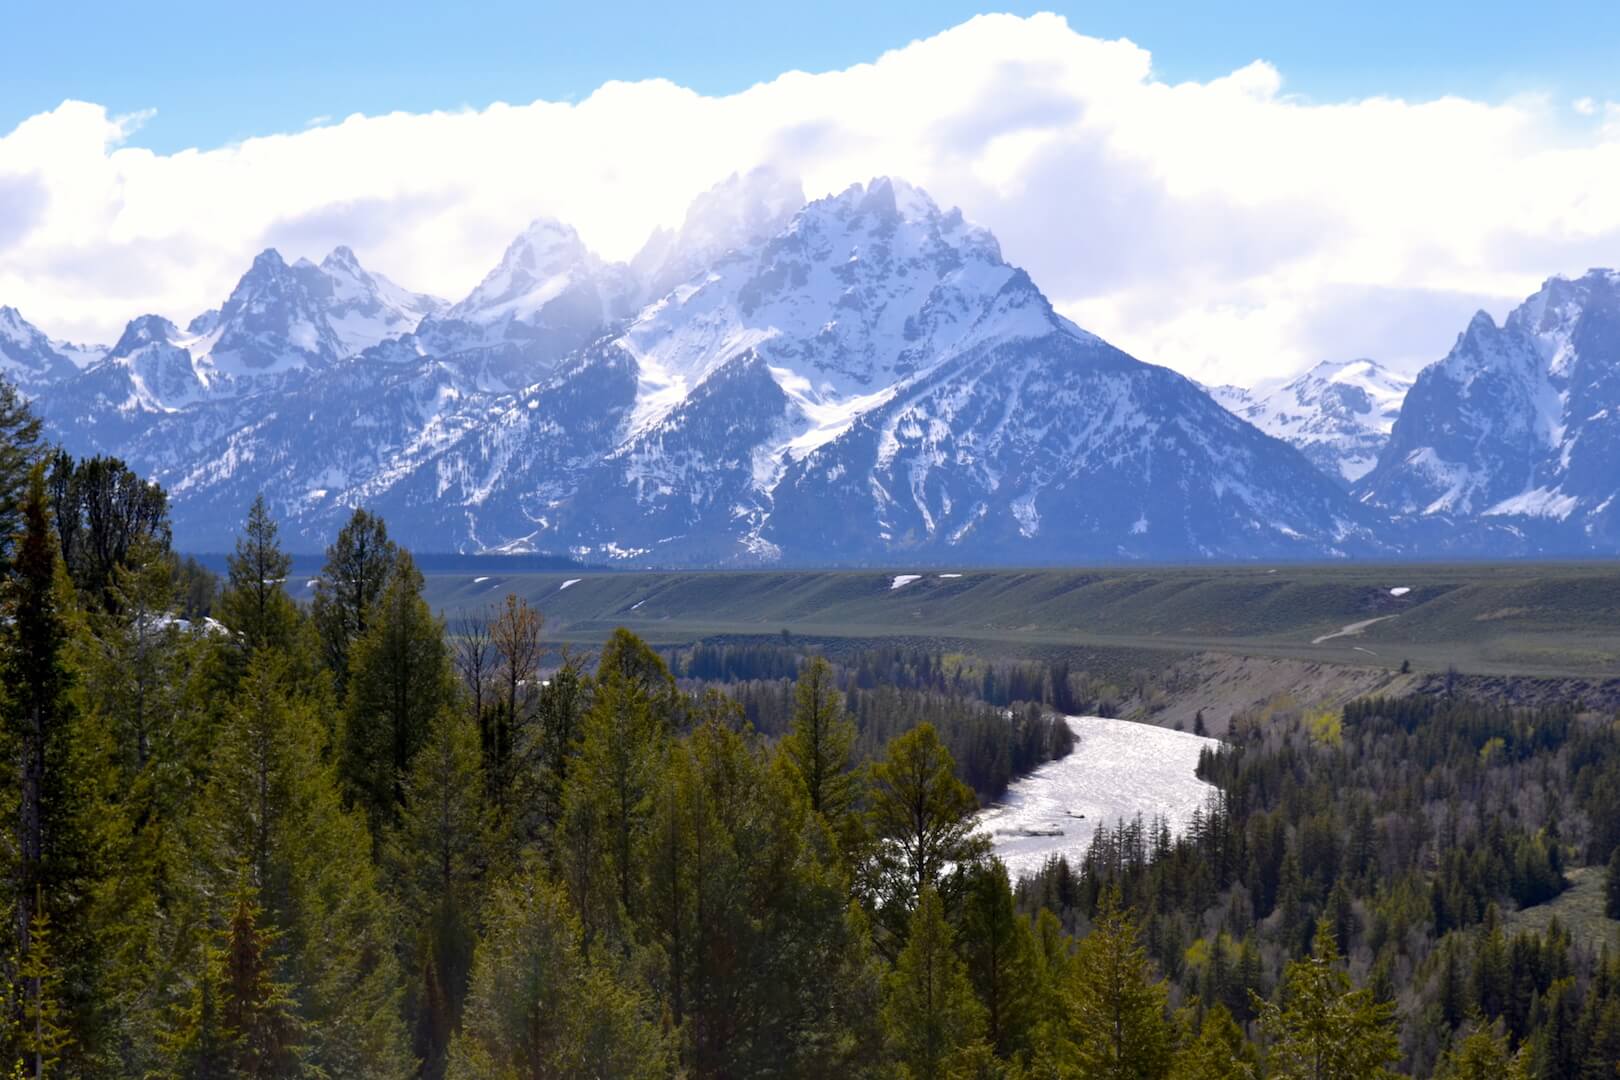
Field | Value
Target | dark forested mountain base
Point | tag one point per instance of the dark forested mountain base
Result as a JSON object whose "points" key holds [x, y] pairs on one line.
{"points": [[246, 837]]}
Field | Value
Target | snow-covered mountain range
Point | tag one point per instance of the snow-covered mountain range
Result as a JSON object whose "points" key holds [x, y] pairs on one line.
{"points": [[856, 380], [1518, 429], [1339, 414]]}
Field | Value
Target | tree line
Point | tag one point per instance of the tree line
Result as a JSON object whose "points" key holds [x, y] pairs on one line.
{"points": [[246, 837]]}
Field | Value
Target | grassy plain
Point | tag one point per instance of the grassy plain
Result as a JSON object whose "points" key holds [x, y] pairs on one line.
{"points": [[1539, 619]]}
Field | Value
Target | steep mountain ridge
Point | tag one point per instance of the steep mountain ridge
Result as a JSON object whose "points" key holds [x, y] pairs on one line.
{"points": [[1339, 414], [1518, 427], [861, 380]]}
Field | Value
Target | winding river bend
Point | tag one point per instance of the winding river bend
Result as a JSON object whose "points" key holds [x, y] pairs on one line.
{"points": [[1118, 769]]}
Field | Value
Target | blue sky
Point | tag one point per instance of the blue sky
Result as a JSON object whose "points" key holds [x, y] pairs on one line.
{"points": [[216, 73]]}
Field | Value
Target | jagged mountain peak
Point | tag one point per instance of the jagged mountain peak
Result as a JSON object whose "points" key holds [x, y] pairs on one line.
{"points": [[736, 213], [144, 330], [1338, 413]]}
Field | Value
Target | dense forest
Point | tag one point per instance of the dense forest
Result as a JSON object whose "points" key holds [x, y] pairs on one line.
{"points": [[249, 837]]}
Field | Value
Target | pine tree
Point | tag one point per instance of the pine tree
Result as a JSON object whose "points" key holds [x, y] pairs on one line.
{"points": [[1116, 1008], [103, 511], [435, 859], [1481, 1053], [746, 906], [255, 606], [820, 744], [20, 452], [921, 818], [358, 566], [1324, 1028], [1611, 901], [400, 678], [931, 1021], [51, 848], [273, 806], [1218, 1052], [538, 1008], [999, 946], [606, 811], [44, 1028], [255, 1012]]}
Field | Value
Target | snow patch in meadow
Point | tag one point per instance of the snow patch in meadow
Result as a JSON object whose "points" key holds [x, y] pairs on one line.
{"points": [[950, 575], [1117, 771], [902, 580], [1399, 590], [479, 580], [570, 581]]}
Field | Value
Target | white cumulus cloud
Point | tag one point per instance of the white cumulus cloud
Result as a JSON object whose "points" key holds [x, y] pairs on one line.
{"points": [[1224, 228]]}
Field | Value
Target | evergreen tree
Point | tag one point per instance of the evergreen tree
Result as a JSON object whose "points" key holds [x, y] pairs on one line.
{"points": [[273, 807], [932, 1024], [538, 1008], [255, 1012], [436, 858], [819, 746], [255, 606], [1480, 1053], [999, 946], [1218, 1052], [103, 511], [53, 851], [1324, 1028], [358, 567], [748, 911], [920, 817], [605, 806], [1611, 901], [1116, 1008], [400, 679], [44, 1023], [20, 451]]}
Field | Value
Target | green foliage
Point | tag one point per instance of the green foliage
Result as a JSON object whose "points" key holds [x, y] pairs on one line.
{"points": [[931, 1022], [999, 946], [399, 680], [255, 606], [820, 745], [539, 1007], [358, 567], [1218, 1052], [1481, 1053], [920, 817], [102, 511], [761, 965], [1116, 1007], [435, 859], [1324, 1029], [20, 451], [45, 1036]]}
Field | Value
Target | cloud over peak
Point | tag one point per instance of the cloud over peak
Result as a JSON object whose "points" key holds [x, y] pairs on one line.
{"points": [[1222, 227]]}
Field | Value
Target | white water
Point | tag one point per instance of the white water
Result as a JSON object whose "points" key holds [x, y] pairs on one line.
{"points": [[1117, 770]]}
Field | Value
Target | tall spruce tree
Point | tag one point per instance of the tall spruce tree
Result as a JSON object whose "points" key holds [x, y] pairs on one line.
{"points": [[255, 606], [1116, 1007], [744, 902], [20, 451], [1323, 1028], [273, 806], [999, 946], [540, 1008], [822, 741], [920, 817], [435, 861], [400, 679], [932, 1024], [358, 566]]}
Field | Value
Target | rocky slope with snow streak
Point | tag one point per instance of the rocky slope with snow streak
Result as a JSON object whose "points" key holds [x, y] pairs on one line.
{"points": [[1517, 430]]}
